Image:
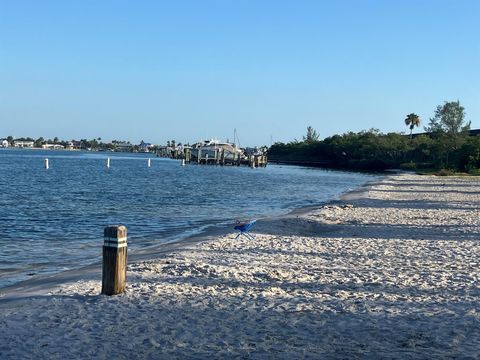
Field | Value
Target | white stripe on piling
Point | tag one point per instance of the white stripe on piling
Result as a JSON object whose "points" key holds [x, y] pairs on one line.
{"points": [[46, 164], [115, 242], [149, 162], [108, 162]]}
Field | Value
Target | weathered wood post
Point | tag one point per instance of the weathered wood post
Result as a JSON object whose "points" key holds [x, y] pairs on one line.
{"points": [[199, 156], [114, 273]]}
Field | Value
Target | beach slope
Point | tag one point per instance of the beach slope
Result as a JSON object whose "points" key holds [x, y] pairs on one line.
{"points": [[391, 271]]}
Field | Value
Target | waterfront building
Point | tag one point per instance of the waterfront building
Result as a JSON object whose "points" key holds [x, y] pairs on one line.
{"points": [[23, 144], [123, 147], [53, 146], [74, 145], [144, 147]]}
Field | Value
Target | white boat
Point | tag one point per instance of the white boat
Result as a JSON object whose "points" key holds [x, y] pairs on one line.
{"points": [[214, 148]]}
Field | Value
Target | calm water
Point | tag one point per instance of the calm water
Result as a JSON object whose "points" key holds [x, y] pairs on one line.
{"points": [[53, 220]]}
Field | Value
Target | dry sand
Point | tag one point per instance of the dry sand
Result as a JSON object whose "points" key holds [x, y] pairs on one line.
{"points": [[389, 272]]}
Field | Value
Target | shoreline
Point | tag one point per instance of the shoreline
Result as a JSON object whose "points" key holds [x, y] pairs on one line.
{"points": [[390, 270], [45, 284], [156, 216]]}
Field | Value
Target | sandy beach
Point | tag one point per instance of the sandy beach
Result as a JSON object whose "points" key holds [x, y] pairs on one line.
{"points": [[389, 271]]}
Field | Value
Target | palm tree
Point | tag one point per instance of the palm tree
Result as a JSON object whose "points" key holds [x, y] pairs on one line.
{"points": [[412, 120]]}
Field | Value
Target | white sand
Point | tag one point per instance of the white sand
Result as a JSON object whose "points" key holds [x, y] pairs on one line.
{"points": [[394, 276]]}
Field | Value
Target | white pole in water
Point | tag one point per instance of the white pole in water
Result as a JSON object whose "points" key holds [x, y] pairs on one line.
{"points": [[108, 162], [149, 162], [46, 164], [183, 162]]}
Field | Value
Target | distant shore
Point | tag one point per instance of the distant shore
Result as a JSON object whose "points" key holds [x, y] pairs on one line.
{"points": [[388, 271]]}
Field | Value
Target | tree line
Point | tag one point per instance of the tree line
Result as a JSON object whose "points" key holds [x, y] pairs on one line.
{"points": [[446, 144], [95, 144]]}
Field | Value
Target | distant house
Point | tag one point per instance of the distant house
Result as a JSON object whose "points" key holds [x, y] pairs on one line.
{"points": [[473, 132], [23, 143], [53, 146], [74, 145], [4, 143], [123, 147], [144, 147]]}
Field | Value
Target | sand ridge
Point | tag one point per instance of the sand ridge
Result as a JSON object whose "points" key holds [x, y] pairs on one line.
{"points": [[393, 273]]}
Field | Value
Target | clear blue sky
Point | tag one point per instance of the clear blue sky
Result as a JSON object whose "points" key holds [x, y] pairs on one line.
{"points": [[186, 70]]}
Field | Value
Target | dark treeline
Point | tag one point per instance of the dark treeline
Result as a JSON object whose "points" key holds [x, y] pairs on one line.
{"points": [[447, 145]]}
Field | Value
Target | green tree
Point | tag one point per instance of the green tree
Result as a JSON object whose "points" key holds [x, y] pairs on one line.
{"points": [[412, 120], [469, 154], [311, 136], [423, 150], [94, 144], [449, 118], [39, 142], [449, 128]]}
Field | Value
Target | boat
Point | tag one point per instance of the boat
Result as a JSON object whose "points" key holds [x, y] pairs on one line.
{"points": [[216, 149]]}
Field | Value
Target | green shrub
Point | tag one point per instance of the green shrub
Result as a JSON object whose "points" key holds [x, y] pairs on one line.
{"points": [[474, 172], [408, 166], [444, 172]]}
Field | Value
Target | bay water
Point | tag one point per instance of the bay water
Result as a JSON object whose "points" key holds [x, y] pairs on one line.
{"points": [[52, 220]]}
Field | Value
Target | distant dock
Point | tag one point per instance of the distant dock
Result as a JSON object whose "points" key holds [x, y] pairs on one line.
{"points": [[213, 152]]}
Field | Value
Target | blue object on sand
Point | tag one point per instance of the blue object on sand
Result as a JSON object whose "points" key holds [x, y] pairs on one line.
{"points": [[244, 227]]}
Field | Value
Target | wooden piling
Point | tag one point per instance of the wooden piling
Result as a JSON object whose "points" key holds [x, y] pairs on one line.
{"points": [[187, 154], [149, 162], [108, 162], [114, 272], [47, 166]]}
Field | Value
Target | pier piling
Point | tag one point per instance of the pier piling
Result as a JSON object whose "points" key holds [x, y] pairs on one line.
{"points": [[108, 162], [47, 166], [114, 270]]}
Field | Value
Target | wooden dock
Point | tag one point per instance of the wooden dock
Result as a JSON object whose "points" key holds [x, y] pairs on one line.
{"points": [[216, 157], [221, 158]]}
